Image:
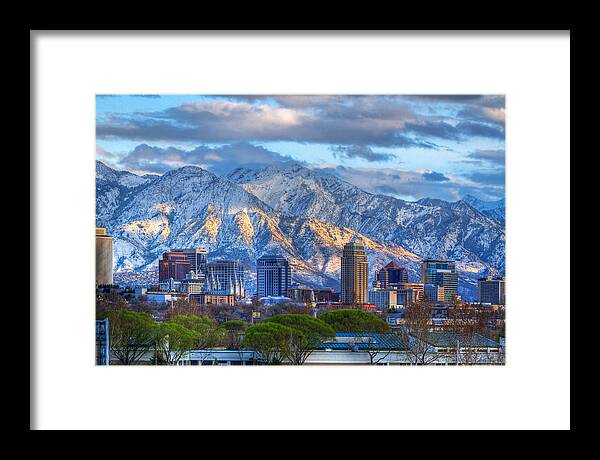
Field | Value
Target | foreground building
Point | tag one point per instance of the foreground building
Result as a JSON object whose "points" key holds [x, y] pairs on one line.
{"points": [[354, 274], [104, 258], [367, 348], [273, 276]]}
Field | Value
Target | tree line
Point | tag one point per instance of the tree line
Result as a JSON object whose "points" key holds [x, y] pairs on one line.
{"points": [[279, 339], [288, 338]]}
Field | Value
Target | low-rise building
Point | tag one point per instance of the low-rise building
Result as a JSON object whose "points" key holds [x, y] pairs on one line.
{"points": [[169, 285], [406, 297], [209, 298], [384, 299], [326, 295], [215, 357], [302, 294], [194, 283], [274, 300], [102, 342], [366, 348], [455, 348], [161, 297], [417, 288]]}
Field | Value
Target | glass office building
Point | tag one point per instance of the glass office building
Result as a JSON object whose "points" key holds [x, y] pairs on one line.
{"points": [[273, 276], [441, 273], [392, 275], [198, 258], [173, 265], [491, 290]]}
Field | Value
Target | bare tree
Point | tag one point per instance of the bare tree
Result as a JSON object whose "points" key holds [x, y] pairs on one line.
{"points": [[109, 301], [183, 306], [234, 337], [376, 353], [467, 327], [415, 334]]}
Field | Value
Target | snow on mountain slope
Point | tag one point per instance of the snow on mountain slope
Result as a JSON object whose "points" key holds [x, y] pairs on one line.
{"points": [[492, 209], [428, 227], [113, 188]]}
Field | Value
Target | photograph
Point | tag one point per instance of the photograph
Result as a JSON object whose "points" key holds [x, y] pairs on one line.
{"points": [[300, 229], [283, 223]]}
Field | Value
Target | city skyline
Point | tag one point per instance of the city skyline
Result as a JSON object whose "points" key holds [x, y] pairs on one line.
{"points": [[274, 276], [409, 147], [269, 230]]}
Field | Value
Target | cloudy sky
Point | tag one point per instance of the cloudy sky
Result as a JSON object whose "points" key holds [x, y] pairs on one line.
{"points": [[410, 147]]}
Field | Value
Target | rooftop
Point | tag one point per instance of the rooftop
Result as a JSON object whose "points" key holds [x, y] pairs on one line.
{"points": [[361, 341], [392, 264], [447, 339]]}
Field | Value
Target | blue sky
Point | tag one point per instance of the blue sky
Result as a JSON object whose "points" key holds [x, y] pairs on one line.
{"points": [[410, 147]]}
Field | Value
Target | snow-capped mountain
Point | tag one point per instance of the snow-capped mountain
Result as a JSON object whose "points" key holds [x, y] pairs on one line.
{"points": [[289, 210], [428, 227], [192, 207], [114, 188], [493, 209]]}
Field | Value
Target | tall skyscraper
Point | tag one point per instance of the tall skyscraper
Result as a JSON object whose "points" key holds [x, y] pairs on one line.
{"points": [[273, 276], [441, 273], [225, 277], [354, 275], [173, 265], [198, 258], [491, 290], [391, 276], [104, 257]]}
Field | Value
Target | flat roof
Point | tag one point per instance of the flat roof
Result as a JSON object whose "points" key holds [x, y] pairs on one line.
{"points": [[448, 339], [362, 341]]}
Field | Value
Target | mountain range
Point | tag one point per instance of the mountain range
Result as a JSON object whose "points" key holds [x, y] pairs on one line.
{"points": [[301, 213]]}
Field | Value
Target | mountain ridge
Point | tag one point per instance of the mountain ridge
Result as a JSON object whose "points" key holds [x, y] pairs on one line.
{"points": [[493, 209], [454, 229]]}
